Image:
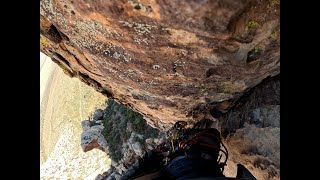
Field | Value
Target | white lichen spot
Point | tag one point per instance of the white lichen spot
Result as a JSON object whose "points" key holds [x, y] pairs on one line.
{"points": [[145, 41], [137, 40], [126, 59], [156, 66], [178, 63], [186, 84], [116, 55], [125, 23], [93, 28], [131, 72], [106, 52], [184, 52], [140, 29]]}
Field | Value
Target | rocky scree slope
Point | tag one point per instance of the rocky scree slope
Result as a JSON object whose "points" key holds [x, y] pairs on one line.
{"points": [[122, 134]]}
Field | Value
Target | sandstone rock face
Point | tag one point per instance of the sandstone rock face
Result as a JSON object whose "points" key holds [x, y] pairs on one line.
{"points": [[168, 60]]}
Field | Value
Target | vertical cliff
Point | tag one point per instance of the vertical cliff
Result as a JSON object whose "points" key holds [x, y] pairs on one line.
{"points": [[168, 60]]}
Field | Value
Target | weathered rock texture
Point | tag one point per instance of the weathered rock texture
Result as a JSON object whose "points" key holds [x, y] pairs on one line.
{"points": [[168, 60], [122, 134], [91, 138], [253, 131]]}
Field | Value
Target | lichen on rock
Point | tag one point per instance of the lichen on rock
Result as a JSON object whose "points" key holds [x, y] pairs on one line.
{"points": [[98, 41]]}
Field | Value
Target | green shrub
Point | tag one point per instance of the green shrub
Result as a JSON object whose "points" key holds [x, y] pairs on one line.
{"points": [[115, 132]]}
